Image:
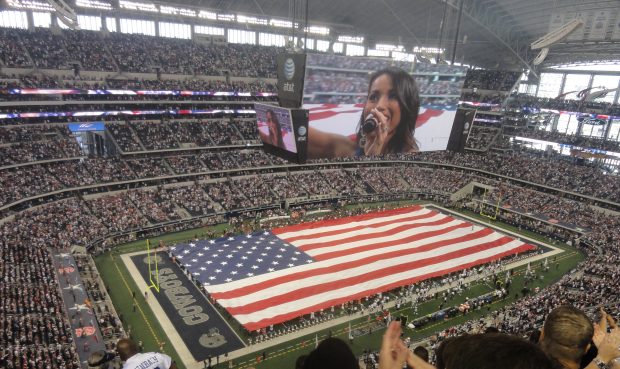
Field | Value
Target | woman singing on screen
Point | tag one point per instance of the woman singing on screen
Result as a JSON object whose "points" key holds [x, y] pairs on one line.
{"points": [[391, 107], [275, 130]]}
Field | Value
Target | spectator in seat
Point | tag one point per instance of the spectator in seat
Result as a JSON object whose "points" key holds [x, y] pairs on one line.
{"points": [[130, 354], [100, 359], [392, 106], [331, 353], [479, 351], [568, 338]]}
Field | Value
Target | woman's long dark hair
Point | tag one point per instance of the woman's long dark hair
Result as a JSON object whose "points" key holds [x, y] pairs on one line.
{"points": [[408, 97], [276, 120]]}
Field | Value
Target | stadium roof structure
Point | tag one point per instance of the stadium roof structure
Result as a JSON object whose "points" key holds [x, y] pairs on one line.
{"points": [[493, 34]]}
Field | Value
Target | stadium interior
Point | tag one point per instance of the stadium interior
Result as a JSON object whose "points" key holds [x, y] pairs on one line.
{"points": [[132, 159]]}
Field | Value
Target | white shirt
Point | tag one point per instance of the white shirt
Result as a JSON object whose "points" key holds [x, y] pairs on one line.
{"points": [[149, 360]]}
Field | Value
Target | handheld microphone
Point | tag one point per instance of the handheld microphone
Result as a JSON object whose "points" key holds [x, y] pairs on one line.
{"points": [[370, 124]]}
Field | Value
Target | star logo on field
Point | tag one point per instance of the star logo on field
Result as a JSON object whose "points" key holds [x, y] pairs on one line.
{"points": [[212, 242]]}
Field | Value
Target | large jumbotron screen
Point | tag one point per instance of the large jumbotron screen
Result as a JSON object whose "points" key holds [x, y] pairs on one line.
{"points": [[336, 92]]}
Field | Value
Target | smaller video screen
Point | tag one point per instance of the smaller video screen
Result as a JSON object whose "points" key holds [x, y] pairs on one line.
{"points": [[275, 127]]}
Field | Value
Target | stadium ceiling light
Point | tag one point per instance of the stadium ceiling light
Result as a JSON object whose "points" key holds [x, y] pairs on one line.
{"points": [[541, 56], [557, 35], [66, 14]]}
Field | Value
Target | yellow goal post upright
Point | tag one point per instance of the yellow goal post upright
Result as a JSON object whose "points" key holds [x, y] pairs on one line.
{"points": [[152, 260], [482, 206]]}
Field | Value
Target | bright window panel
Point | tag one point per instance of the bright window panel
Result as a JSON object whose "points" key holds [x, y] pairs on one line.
{"points": [[614, 131], [204, 30], [373, 52], [575, 83], [338, 47], [550, 84], [355, 50], [110, 24], [237, 36], [322, 45], [175, 30], [270, 39], [13, 19], [567, 123], [89, 23], [607, 82], [42, 19], [137, 26]]}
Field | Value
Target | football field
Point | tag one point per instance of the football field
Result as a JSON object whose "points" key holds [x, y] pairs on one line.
{"points": [[195, 330]]}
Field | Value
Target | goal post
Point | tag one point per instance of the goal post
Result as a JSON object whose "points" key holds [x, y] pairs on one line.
{"points": [[492, 216], [152, 263]]}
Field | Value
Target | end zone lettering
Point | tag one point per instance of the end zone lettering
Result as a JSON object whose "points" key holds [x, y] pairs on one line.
{"points": [[180, 298]]}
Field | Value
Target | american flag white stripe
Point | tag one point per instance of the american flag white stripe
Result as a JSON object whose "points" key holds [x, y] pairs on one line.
{"points": [[299, 306], [366, 231], [357, 242], [372, 254], [313, 233]]}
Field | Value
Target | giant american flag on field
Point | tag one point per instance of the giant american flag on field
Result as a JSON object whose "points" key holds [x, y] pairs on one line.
{"points": [[270, 277]]}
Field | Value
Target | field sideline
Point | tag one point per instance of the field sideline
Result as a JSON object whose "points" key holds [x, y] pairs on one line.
{"points": [[145, 327]]}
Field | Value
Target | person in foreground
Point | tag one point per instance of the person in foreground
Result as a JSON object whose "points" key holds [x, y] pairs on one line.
{"points": [[480, 351], [392, 105], [573, 342], [133, 359]]}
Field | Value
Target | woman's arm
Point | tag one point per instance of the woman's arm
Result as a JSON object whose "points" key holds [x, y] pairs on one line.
{"points": [[328, 145]]}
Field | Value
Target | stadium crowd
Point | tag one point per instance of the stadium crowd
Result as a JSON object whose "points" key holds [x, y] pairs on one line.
{"points": [[134, 53], [34, 330], [568, 139]]}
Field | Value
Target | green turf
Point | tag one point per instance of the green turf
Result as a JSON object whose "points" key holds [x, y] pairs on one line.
{"points": [[283, 356], [120, 287]]}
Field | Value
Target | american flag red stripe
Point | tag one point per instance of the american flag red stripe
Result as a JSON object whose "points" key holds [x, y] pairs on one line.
{"points": [[372, 253]]}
